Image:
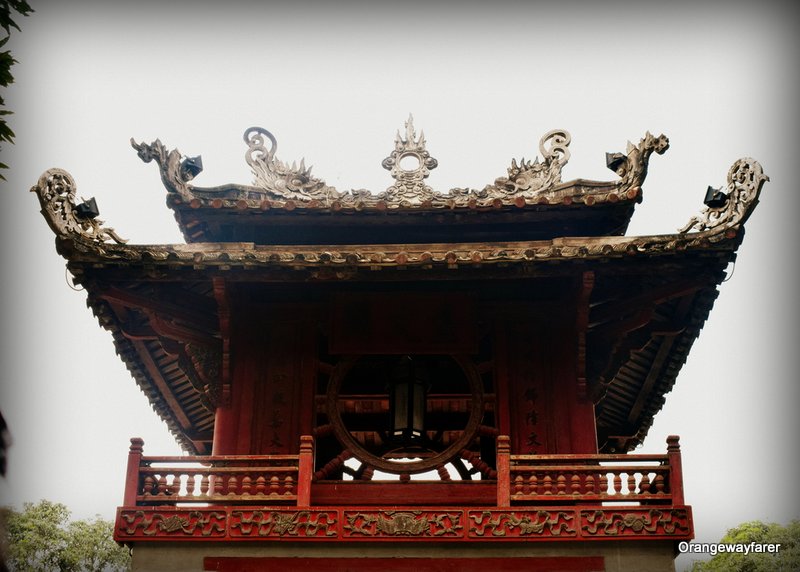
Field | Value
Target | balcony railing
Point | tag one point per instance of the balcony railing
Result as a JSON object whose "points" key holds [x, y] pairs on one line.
{"points": [[546, 497], [521, 479]]}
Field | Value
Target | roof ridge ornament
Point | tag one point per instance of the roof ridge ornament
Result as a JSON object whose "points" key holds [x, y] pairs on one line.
{"points": [[530, 177], [528, 182], [409, 165], [271, 174], [745, 179], [56, 192]]}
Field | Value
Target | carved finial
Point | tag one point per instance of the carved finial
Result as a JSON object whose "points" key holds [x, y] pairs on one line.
{"points": [[56, 193], [745, 179], [409, 164]]}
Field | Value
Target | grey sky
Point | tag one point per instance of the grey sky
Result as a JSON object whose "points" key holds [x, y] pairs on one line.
{"points": [[333, 85]]}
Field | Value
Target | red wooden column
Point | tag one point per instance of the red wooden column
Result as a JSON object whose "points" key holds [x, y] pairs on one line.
{"points": [[675, 470], [132, 473], [305, 470], [503, 471]]}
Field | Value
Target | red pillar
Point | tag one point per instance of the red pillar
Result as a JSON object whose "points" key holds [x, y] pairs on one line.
{"points": [[675, 470], [132, 473], [305, 470], [503, 471]]}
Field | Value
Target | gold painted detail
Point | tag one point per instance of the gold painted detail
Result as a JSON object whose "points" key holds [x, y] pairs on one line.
{"points": [[513, 524]]}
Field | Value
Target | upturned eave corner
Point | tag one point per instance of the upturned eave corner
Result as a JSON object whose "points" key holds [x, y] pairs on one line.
{"points": [[731, 208], [56, 191], [278, 184]]}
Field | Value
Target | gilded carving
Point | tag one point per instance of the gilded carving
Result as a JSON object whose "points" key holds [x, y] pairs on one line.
{"points": [[191, 523], [56, 192], [653, 521], [403, 523], [515, 524], [261, 523], [745, 179]]}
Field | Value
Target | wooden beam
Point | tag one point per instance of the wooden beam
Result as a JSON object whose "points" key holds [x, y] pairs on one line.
{"points": [[160, 384], [190, 311], [648, 299]]}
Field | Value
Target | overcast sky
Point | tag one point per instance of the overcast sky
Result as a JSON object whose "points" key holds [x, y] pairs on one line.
{"points": [[334, 84]]}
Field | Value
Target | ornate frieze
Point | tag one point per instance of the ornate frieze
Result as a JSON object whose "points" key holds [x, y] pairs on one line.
{"points": [[417, 523], [440, 524], [171, 524], [518, 524], [636, 522], [745, 179], [283, 524], [56, 192]]}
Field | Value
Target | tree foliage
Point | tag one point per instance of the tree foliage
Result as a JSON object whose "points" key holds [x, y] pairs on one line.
{"points": [[787, 558], [41, 538], [8, 11]]}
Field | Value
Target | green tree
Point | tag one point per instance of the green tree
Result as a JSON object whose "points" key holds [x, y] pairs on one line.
{"points": [[8, 8], [42, 539], [787, 558]]}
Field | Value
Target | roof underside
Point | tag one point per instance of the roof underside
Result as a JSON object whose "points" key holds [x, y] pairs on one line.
{"points": [[646, 297], [646, 309]]}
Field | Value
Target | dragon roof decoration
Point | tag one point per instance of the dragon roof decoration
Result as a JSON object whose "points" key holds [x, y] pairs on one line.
{"points": [[278, 183]]}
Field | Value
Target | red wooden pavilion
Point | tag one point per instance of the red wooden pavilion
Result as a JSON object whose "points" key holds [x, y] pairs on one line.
{"points": [[409, 380]]}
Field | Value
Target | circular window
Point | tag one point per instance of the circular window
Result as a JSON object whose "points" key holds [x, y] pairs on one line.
{"points": [[405, 413]]}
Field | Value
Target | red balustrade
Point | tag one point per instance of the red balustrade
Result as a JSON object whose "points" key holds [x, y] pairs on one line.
{"points": [[588, 479], [524, 480]]}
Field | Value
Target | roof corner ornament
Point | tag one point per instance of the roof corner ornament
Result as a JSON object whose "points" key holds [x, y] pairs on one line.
{"points": [[56, 192], [409, 165], [734, 206], [529, 178], [175, 173], [273, 175], [632, 166]]}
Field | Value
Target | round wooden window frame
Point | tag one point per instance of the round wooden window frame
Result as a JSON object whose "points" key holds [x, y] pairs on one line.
{"points": [[475, 383]]}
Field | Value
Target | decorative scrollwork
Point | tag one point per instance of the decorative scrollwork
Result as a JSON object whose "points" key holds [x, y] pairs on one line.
{"points": [[197, 523], [514, 524], [650, 522], [262, 523], [745, 179], [409, 164], [403, 523], [56, 193]]}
